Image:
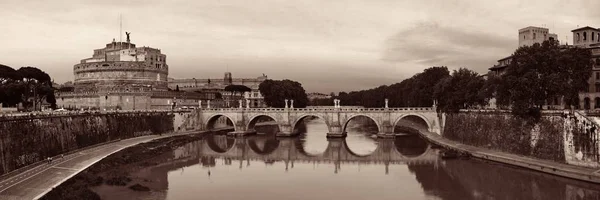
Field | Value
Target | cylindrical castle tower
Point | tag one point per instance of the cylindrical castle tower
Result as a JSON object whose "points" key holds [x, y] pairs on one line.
{"points": [[121, 67]]}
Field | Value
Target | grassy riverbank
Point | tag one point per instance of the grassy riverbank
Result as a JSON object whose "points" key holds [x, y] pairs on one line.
{"points": [[117, 169]]}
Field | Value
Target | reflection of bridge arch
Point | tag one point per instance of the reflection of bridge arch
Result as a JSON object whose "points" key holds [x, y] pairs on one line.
{"points": [[216, 143], [271, 144], [210, 122], [302, 117], [359, 115], [337, 151], [418, 119], [299, 144], [347, 148]]}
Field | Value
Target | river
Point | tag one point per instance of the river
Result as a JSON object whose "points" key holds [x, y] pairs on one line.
{"points": [[358, 167]]}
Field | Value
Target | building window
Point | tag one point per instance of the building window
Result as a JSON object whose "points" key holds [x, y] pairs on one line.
{"points": [[592, 36], [578, 37], [584, 36], [534, 36], [597, 75]]}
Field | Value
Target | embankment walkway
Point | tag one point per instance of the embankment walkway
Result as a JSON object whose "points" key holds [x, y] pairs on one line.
{"points": [[559, 169], [38, 180]]}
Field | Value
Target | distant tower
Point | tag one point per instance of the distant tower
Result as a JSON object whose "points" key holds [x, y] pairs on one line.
{"points": [[228, 80]]}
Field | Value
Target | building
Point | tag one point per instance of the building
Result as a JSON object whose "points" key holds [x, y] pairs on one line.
{"points": [[589, 38], [527, 37], [123, 76], [254, 97], [585, 37], [531, 35]]}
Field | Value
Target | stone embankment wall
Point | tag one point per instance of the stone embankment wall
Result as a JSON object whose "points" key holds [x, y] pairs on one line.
{"points": [[564, 138], [26, 140]]}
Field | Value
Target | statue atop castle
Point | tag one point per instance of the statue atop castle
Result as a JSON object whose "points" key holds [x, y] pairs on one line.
{"points": [[127, 33]]}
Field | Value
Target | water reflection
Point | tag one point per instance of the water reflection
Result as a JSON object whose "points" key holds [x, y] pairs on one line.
{"points": [[266, 167], [361, 132]]}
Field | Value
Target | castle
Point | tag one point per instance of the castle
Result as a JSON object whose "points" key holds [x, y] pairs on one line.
{"points": [[123, 76]]}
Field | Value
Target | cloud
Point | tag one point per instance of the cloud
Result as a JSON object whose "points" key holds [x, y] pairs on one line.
{"points": [[437, 45]]}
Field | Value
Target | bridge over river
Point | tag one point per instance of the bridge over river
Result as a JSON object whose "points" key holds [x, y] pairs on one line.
{"points": [[336, 118]]}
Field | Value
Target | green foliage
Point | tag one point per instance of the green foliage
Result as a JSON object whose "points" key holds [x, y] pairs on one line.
{"points": [[459, 91], [416, 91], [19, 86], [276, 91], [543, 72]]}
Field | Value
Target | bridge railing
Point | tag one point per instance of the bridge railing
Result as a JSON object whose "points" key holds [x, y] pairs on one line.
{"points": [[320, 109]]}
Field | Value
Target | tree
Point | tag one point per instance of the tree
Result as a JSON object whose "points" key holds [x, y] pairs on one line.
{"points": [[416, 91], [276, 91], [37, 87], [19, 86], [10, 86], [176, 88], [543, 72], [460, 90], [237, 89]]}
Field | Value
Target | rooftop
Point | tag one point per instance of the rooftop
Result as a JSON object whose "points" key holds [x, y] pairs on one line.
{"points": [[585, 28]]}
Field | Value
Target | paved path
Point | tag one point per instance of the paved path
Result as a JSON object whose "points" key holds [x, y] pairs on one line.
{"points": [[37, 181], [560, 169]]}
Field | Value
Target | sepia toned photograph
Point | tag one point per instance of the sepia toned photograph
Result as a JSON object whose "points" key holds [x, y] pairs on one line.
{"points": [[299, 100]]}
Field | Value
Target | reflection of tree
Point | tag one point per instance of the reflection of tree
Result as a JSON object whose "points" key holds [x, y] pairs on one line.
{"points": [[438, 182], [471, 179], [410, 145]]}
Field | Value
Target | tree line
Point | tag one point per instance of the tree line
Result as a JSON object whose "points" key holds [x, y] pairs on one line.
{"points": [[536, 75], [27, 85]]}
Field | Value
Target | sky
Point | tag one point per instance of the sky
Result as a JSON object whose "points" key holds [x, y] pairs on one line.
{"points": [[327, 45]]}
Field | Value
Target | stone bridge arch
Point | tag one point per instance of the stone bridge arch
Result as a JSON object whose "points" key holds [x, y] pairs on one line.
{"points": [[347, 119], [301, 116], [212, 119], [413, 120], [252, 120]]}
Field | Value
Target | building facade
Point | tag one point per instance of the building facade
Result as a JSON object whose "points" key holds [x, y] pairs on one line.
{"points": [[123, 76], [253, 97], [531, 35], [589, 38]]}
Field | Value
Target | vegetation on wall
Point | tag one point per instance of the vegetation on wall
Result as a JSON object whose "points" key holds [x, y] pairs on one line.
{"points": [[508, 133]]}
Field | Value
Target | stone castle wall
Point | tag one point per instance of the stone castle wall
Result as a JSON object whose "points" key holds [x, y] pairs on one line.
{"points": [[24, 141], [554, 137], [107, 76], [155, 100]]}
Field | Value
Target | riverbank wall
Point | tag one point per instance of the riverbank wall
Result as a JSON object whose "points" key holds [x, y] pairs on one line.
{"points": [[566, 138], [26, 140]]}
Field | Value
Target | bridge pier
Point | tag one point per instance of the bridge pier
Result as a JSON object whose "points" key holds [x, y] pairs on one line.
{"points": [[387, 130], [285, 130], [336, 131]]}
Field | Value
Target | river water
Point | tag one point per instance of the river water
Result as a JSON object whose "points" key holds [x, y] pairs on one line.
{"points": [[358, 167]]}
